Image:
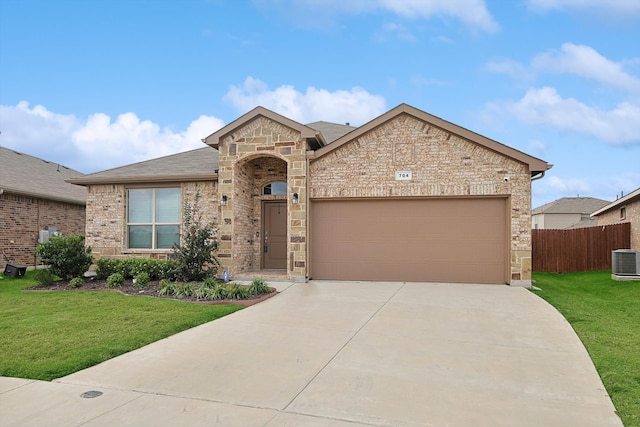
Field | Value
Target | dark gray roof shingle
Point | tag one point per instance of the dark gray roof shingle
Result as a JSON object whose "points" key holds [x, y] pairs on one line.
{"points": [[201, 163], [571, 205], [21, 173], [331, 131]]}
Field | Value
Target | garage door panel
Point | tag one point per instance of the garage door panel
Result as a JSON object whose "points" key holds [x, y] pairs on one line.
{"points": [[442, 240]]}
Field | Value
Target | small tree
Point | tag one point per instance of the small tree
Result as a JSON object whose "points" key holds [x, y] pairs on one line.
{"points": [[66, 256], [195, 253]]}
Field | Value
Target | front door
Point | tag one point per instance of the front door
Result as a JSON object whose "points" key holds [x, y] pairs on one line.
{"points": [[274, 235]]}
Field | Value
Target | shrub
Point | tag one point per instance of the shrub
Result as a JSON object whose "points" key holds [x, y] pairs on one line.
{"points": [[259, 287], [195, 253], [141, 280], [236, 291], [217, 293], [76, 282], [166, 287], [130, 267], [67, 256], [44, 276], [115, 280]]}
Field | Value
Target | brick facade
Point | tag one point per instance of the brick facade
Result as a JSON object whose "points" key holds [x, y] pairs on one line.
{"points": [[442, 165], [24, 216], [632, 215], [262, 147], [107, 216]]}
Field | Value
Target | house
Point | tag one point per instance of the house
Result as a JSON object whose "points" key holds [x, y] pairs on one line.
{"points": [[405, 197], [34, 197], [567, 212], [625, 209]]}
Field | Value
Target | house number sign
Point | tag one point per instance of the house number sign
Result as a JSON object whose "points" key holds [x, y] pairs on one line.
{"points": [[403, 176]]}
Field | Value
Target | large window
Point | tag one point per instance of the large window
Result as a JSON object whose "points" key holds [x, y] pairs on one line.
{"points": [[153, 218]]}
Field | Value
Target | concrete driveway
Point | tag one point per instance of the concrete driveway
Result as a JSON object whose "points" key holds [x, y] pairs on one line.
{"points": [[342, 354]]}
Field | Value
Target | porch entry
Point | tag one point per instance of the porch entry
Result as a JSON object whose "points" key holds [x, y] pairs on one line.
{"points": [[274, 235]]}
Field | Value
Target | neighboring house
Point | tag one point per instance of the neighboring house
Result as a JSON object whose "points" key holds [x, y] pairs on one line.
{"points": [[34, 197], [405, 197], [567, 212], [625, 209]]}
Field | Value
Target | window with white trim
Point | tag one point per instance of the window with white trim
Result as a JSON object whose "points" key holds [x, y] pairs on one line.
{"points": [[153, 218]]}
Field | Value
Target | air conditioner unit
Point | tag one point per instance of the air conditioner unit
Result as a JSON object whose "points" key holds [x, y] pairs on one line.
{"points": [[625, 262]]}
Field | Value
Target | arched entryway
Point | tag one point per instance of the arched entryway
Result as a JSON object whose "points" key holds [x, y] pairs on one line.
{"points": [[260, 214]]}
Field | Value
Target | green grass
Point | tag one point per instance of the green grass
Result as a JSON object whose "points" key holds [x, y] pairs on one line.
{"points": [[606, 316], [46, 335]]}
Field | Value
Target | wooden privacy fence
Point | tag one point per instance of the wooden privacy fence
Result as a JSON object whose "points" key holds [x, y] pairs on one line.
{"points": [[580, 249]]}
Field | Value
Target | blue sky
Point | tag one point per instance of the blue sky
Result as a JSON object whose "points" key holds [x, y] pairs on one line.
{"points": [[95, 84]]}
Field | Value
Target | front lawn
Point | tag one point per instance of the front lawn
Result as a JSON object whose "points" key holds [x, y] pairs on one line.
{"points": [[47, 335], [606, 316]]}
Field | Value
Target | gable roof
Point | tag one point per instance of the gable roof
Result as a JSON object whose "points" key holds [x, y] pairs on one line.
{"points": [[571, 205], [311, 135], [27, 175], [536, 166], [196, 165], [634, 196]]}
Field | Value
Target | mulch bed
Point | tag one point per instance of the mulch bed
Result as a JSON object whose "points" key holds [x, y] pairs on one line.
{"points": [[128, 288]]}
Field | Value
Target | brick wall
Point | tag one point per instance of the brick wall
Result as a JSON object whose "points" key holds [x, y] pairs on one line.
{"points": [[441, 163], [22, 219], [632, 216], [106, 229]]}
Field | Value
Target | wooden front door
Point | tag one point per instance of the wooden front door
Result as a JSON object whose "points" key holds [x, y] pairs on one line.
{"points": [[274, 235]]}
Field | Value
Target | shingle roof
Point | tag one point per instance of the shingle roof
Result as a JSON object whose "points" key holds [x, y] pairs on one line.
{"points": [[195, 165], [634, 195], [571, 205], [31, 176], [331, 131]]}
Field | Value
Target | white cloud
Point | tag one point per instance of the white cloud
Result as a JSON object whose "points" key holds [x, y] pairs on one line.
{"points": [[356, 105], [98, 142], [473, 13], [586, 62], [624, 9], [568, 186], [511, 68], [395, 30], [545, 107]]}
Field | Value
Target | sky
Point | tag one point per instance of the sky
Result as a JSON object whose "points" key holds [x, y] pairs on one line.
{"points": [[97, 84]]}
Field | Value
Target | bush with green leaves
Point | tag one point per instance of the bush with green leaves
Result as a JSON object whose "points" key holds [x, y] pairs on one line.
{"points": [[76, 282], [259, 287], [157, 269], [66, 256], [116, 280], [44, 276], [195, 253], [141, 280]]}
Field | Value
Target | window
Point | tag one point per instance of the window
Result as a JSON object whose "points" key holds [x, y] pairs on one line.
{"points": [[153, 218], [623, 212], [275, 188]]}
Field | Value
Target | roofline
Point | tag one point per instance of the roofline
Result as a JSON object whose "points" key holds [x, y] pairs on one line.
{"points": [[620, 201], [45, 196], [306, 132], [141, 179], [536, 166]]}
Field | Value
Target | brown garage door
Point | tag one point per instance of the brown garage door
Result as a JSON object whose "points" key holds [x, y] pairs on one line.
{"points": [[424, 240]]}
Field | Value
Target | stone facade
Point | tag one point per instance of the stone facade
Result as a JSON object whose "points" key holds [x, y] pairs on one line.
{"points": [[632, 215], [442, 165], [24, 216], [260, 152], [107, 216]]}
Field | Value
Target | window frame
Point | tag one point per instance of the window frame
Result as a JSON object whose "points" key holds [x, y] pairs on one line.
{"points": [[154, 224], [270, 185], [623, 213]]}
